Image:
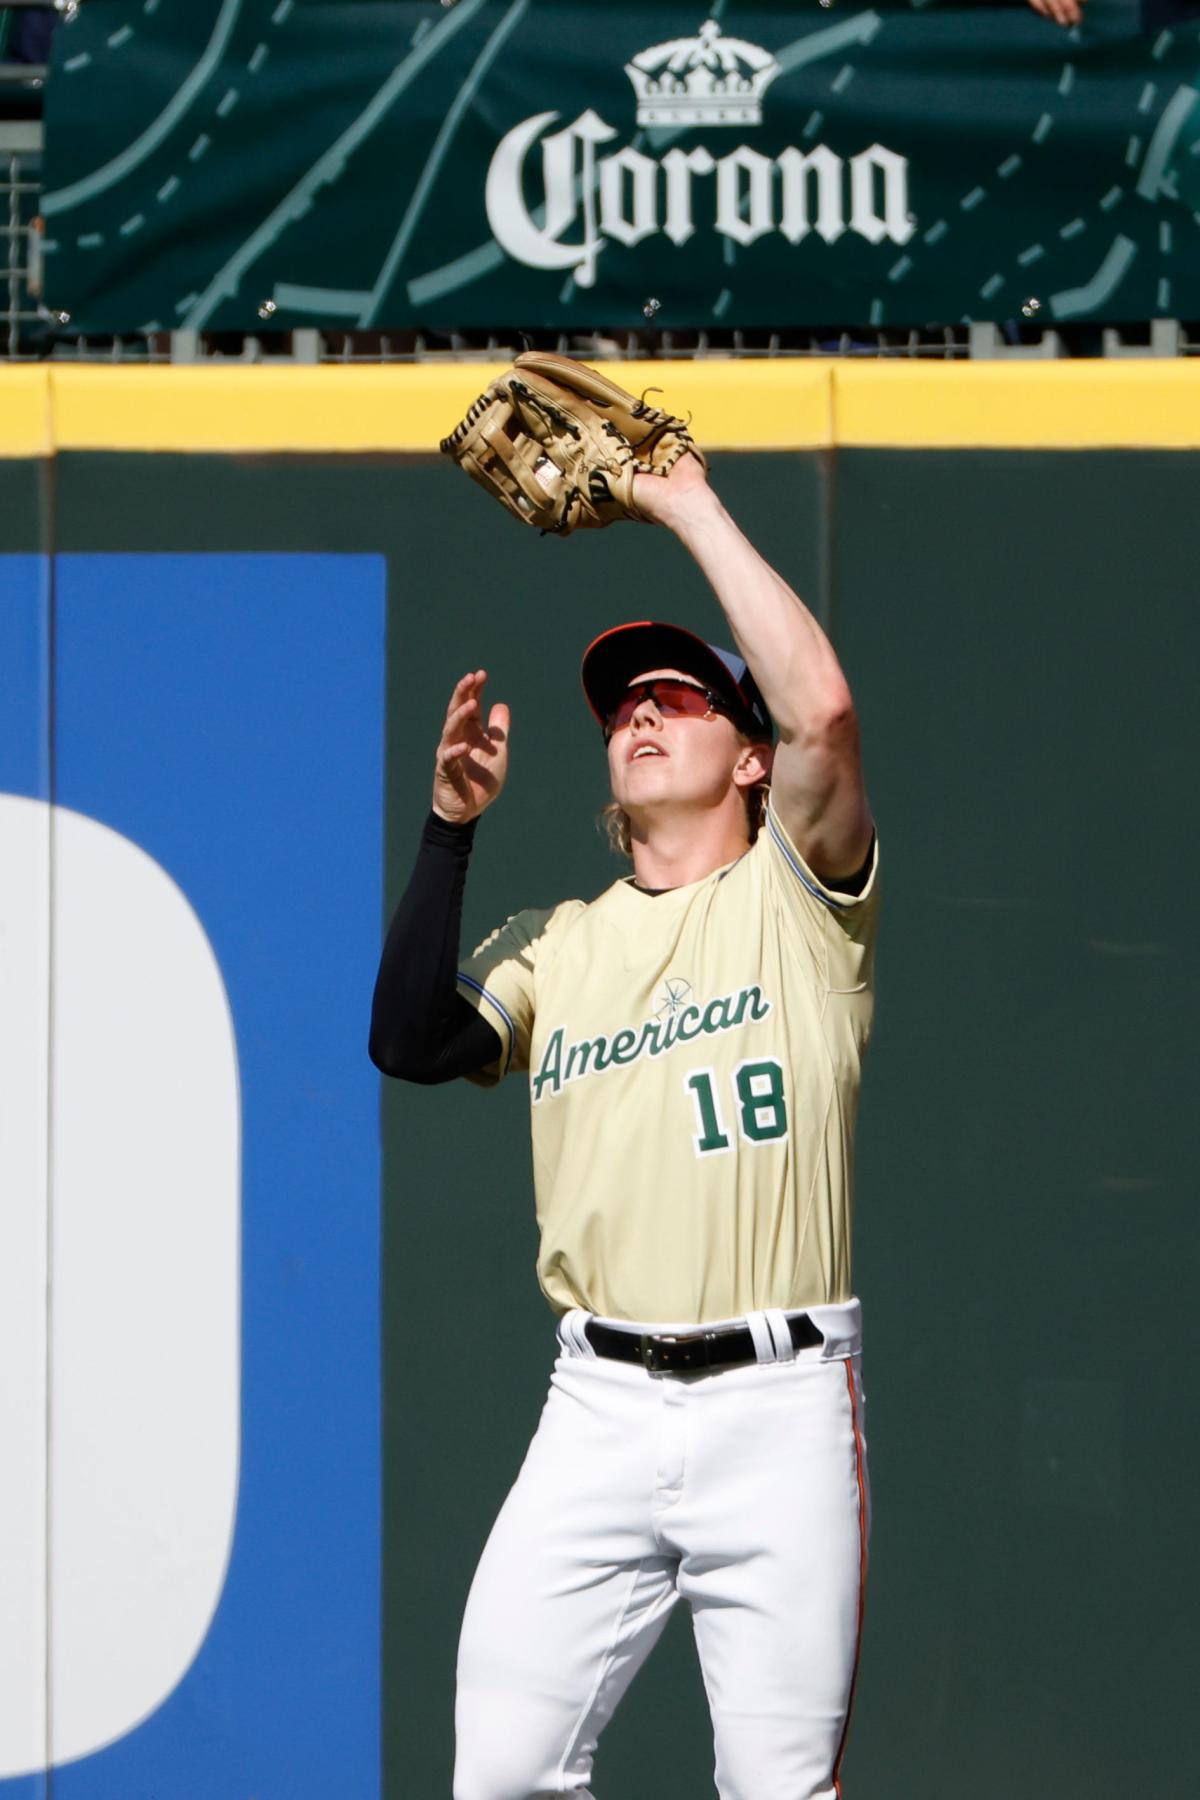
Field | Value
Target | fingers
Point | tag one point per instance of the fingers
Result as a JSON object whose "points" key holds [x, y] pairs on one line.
{"points": [[458, 719], [472, 758], [467, 688], [1063, 12], [464, 730], [464, 704]]}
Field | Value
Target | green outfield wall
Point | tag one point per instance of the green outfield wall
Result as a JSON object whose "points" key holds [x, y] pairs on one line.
{"points": [[1016, 608]]}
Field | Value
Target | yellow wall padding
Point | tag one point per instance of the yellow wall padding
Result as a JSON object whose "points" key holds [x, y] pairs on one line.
{"points": [[25, 428], [767, 404]]}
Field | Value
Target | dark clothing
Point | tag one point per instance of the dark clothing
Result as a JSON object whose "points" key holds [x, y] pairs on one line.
{"points": [[421, 1027], [1157, 13], [29, 39]]}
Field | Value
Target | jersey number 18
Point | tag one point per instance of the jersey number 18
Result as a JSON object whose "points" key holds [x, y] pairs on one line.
{"points": [[758, 1092]]}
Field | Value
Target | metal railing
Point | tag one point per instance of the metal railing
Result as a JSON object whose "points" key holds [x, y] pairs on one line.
{"points": [[979, 342], [22, 317], [20, 235]]}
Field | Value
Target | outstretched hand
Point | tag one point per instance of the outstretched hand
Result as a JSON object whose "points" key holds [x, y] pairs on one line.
{"points": [[1063, 12], [472, 758]]}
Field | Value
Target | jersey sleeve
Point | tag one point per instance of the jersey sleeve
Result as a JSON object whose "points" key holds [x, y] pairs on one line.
{"points": [[838, 929], [498, 980]]}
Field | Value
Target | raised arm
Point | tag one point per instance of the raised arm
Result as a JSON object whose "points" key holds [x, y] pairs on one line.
{"points": [[817, 786], [422, 1029]]}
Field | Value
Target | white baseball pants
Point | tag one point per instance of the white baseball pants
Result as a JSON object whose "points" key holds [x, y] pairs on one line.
{"points": [[743, 1492]]}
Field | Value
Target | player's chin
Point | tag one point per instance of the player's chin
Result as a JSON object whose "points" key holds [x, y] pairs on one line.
{"points": [[645, 782]]}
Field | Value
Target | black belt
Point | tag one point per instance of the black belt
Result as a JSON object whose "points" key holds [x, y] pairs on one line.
{"points": [[668, 1352]]}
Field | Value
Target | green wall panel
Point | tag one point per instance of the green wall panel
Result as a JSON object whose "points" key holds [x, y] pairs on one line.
{"points": [[25, 491], [1021, 631]]}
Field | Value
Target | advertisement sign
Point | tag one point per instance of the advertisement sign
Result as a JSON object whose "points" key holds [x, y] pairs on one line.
{"points": [[499, 164]]}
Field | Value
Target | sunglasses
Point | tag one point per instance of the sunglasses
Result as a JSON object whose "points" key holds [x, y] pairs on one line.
{"points": [[674, 700]]}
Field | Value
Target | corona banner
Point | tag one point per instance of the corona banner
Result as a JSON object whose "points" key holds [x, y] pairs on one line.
{"points": [[499, 164]]}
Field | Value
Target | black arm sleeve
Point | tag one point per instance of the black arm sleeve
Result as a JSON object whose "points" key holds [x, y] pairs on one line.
{"points": [[421, 1027]]}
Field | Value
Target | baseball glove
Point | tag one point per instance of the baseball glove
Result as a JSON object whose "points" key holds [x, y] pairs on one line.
{"points": [[559, 444]]}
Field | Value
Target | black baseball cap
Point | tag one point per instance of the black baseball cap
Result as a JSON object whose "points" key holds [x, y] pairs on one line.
{"points": [[612, 660]]}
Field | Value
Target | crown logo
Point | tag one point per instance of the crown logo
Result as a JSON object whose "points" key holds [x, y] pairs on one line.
{"points": [[705, 80]]}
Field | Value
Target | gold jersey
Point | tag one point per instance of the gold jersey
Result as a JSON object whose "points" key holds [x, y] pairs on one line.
{"points": [[693, 1063]]}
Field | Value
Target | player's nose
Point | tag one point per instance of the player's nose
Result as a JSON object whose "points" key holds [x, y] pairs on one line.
{"points": [[646, 713]]}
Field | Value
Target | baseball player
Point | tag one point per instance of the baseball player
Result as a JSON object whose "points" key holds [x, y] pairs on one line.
{"points": [[692, 1040]]}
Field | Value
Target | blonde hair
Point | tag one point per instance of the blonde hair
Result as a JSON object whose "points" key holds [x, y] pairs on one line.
{"points": [[613, 820]]}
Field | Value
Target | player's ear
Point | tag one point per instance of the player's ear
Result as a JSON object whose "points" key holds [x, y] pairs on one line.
{"points": [[754, 764]]}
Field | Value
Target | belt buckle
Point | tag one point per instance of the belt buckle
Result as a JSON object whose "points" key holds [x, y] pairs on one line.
{"points": [[663, 1352]]}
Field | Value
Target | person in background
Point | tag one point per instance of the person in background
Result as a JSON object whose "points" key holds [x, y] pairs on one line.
{"points": [[1155, 13], [30, 34]]}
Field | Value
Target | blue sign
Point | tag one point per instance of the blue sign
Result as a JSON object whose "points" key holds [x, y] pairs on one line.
{"points": [[218, 728]]}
